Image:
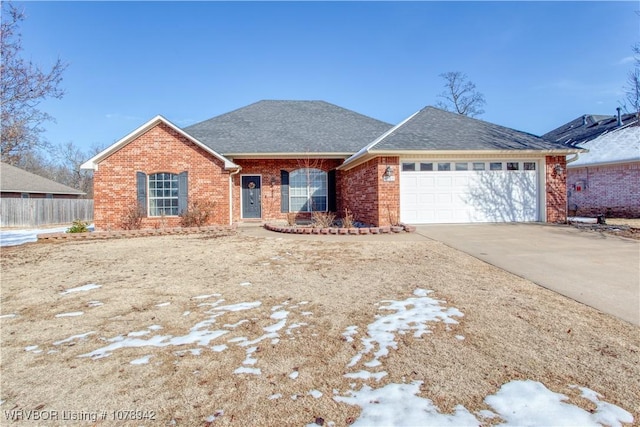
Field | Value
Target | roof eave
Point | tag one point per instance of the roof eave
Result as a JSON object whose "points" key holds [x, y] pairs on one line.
{"points": [[284, 155], [364, 157], [607, 163]]}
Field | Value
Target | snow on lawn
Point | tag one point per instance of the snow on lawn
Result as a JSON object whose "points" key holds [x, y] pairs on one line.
{"points": [[521, 402], [517, 402], [20, 237], [202, 334], [83, 288]]}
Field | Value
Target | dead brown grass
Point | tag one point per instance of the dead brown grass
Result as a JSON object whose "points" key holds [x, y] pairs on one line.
{"points": [[513, 329]]}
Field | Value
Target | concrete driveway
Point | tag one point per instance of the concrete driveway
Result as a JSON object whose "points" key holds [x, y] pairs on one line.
{"points": [[599, 270]]}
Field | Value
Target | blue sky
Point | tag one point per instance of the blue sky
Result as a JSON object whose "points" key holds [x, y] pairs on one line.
{"points": [[539, 64]]}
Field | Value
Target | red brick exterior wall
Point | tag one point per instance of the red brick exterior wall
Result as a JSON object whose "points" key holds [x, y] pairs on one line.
{"points": [[270, 169], [556, 189], [161, 149], [610, 190], [367, 195]]}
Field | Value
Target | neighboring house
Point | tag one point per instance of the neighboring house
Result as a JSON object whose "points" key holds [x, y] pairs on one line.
{"points": [[606, 179], [18, 183], [273, 158]]}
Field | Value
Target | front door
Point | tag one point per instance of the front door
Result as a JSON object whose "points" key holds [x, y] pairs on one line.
{"points": [[251, 197]]}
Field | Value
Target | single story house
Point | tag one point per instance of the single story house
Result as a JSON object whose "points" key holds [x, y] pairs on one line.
{"points": [[18, 183], [271, 159], [606, 179]]}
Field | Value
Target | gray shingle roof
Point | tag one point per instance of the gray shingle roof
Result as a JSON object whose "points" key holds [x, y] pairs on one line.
{"points": [[585, 128], [16, 180], [288, 127], [435, 129]]}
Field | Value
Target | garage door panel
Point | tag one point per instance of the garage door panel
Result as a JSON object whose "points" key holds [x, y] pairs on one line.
{"points": [[469, 196]]}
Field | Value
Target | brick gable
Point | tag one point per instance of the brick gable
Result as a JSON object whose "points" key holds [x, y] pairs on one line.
{"points": [[160, 149]]}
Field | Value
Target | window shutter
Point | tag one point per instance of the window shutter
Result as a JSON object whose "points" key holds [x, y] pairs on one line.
{"points": [[284, 191], [331, 191], [182, 192], [141, 185]]}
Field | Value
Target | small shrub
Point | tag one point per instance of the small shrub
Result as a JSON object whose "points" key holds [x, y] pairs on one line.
{"points": [[347, 220], [133, 218], [78, 226], [322, 219], [291, 219], [197, 214]]}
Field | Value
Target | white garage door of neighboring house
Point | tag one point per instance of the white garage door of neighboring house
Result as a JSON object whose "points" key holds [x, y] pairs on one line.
{"points": [[475, 191]]}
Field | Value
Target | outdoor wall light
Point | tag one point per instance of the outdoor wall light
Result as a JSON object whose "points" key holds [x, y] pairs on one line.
{"points": [[388, 174], [273, 180], [558, 169]]}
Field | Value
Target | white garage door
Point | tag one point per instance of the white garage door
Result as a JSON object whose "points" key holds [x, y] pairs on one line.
{"points": [[476, 191]]}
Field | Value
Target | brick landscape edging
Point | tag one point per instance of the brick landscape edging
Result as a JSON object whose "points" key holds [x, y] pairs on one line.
{"points": [[119, 234], [341, 231]]}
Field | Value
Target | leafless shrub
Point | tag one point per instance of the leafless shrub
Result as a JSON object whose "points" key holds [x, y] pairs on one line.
{"points": [[322, 219], [291, 219], [133, 218], [197, 214], [347, 219]]}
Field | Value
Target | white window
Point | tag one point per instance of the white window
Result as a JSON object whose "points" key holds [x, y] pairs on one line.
{"points": [[308, 190], [163, 194]]}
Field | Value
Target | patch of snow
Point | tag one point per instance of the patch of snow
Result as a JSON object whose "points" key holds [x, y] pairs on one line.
{"points": [[293, 375], [83, 288], [71, 314], [531, 403], [307, 313], [155, 327], [246, 283], [606, 413], [186, 313], [275, 396], [411, 314], [399, 404], [94, 304], [163, 304], [366, 375], [20, 237], [8, 316], [282, 314], [315, 393], [235, 325], [30, 348], [141, 361], [74, 337], [239, 307], [212, 418], [138, 333], [219, 348], [206, 296], [459, 337], [349, 333], [276, 326]]}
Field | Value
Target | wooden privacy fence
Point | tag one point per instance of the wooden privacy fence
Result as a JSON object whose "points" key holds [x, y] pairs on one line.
{"points": [[37, 212]]}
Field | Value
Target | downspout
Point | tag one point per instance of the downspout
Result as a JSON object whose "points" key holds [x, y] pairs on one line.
{"points": [[231, 193]]}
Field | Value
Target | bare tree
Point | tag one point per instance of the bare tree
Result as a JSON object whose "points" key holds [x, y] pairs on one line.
{"points": [[23, 86], [631, 102], [460, 95]]}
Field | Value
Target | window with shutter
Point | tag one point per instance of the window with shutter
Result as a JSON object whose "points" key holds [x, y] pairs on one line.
{"points": [[164, 193]]}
